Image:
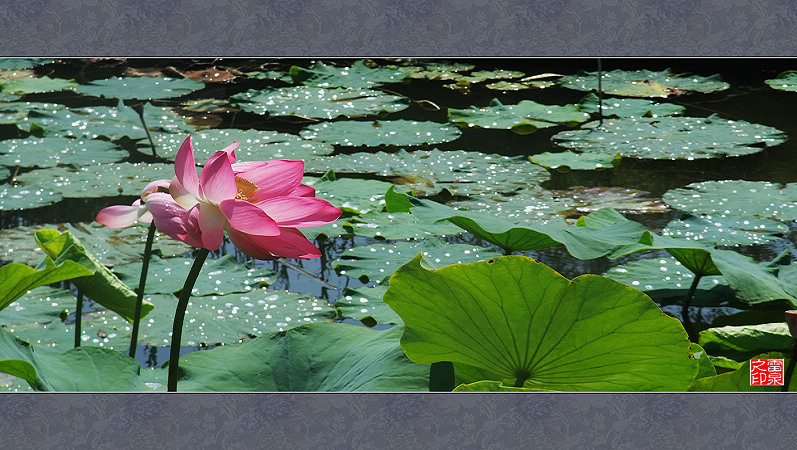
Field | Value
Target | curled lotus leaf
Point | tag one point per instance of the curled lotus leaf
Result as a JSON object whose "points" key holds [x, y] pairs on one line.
{"points": [[644, 83], [671, 138], [375, 133]]}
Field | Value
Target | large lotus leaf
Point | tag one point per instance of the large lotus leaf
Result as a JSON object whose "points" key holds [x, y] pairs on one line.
{"points": [[427, 172], [310, 358], [23, 63], [140, 88], [358, 76], [626, 200], [111, 122], [589, 334], [375, 133], [748, 338], [727, 230], [209, 320], [217, 277], [103, 286], [629, 107], [644, 83], [90, 369], [399, 226], [378, 261], [736, 198], [671, 138], [356, 196], [786, 81], [527, 206], [522, 118], [318, 102], [567, 160], [365, 304], [36, 85], [98, 180], [255, 145], [16, 112], [16, 279], [52, 151], [739, 379], [16, 197]]}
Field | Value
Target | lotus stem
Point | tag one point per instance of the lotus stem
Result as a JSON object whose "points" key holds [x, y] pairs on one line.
{"points": [[142, 283], [78, 318], [690, 330], [139, 108], [600, 94], [179, 316]]}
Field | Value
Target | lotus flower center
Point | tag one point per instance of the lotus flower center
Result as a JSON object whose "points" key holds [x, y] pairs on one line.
{"points": [[246, 189]]}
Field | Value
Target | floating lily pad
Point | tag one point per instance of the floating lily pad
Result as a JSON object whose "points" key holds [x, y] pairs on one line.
{"points": [[375, 133], [358, 76], [644, 83], [427, 172], [270, 75], [786, 81], [318, 103], [16, 197], [140, 88], [255, 145], [726, 231], [218, 276], [567, 160], [111, 122], [16, 112], [526, 206], [23, 63], [366, 302], [50, 152], [735, 198], [399, 226], [378, 261], [98, 181], [519, 85], [36, 85], [629, 107], [356, 196], [522, 118], [437, 70], [624, 200], [672, 138]]}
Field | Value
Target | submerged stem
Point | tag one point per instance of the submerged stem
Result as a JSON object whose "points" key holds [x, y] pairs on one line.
{"points": [[179, 316], [142, 283], [690, 330], [78, 318]]}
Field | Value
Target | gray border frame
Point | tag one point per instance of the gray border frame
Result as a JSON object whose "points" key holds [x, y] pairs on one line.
{"points": [[453, 28]]}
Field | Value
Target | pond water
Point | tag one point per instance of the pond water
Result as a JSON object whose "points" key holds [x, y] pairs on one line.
{"points": [[748, 99]]}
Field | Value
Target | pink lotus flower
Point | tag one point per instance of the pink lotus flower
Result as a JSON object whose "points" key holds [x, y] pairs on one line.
{"points": [[121, 216], [260, 205]]}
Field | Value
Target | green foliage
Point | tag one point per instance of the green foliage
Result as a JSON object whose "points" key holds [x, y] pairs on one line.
{"points": [[376, 133], [52, 151], [139, 88], [644, 83], [629, 107], [16, 279], [786, 81], [523, 118]]}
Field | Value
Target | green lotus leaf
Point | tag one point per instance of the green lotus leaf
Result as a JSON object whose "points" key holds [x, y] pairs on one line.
{"points": [[671, 138], [629, 107], [357, 196], [786, 81], [140, 88], [739, 379], [365, 304], [98, 180], [727, 230], [436, 69], [734, 198], [705, 367], [318, 103], [111, 122], [625, 200], [270, 75], [527, 206], [496, 386], [567, 160], [375, 133], [23, 63], [310, 358], [519, 85], [209, 320], [36, 85], [523, 118], [255, 145], [103, 286], [17, 112], [16, 279], [52, 151], [378, 261], [217, 277], [16, 197], [358, 76], [398, 226], [644, 83], [588, 334], [428, 172], [747, 338], [5, 97], [89, 369], [497, 74]]}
